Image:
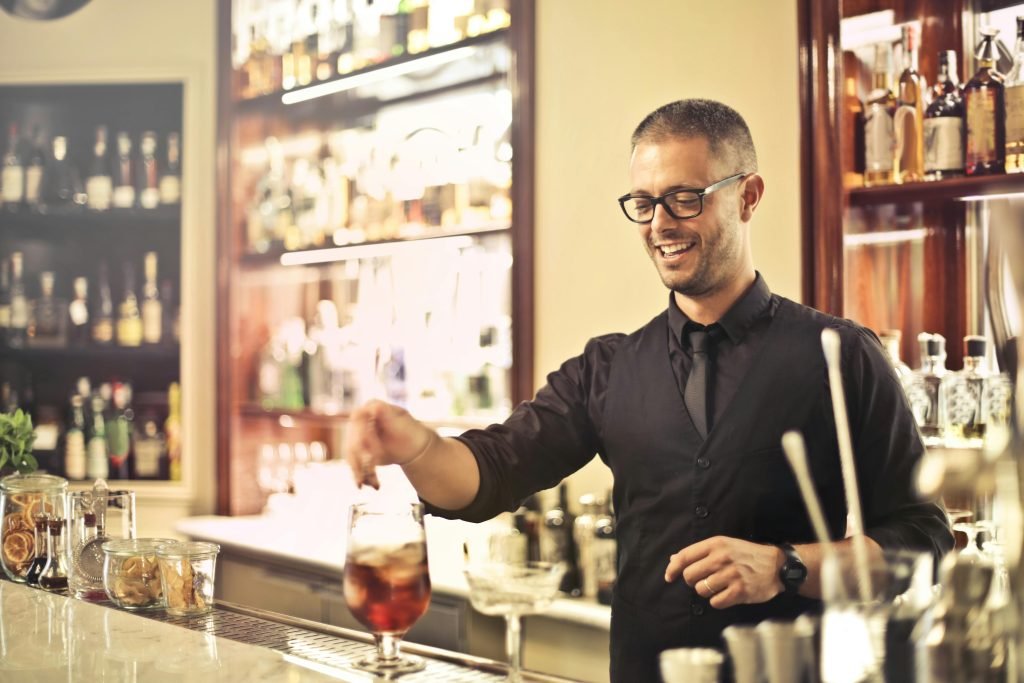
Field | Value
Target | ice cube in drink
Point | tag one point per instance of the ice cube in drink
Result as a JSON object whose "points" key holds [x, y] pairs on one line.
{"points": [[387, 589]]}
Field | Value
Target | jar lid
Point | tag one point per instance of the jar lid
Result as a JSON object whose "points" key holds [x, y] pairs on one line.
{"points": [[135, 546], [180, 549], [33, 482]]}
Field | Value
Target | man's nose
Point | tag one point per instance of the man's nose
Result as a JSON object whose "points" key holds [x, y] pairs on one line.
{"points": [[662, 219]]}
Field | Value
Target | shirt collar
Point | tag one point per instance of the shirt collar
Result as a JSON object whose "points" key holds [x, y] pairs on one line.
{"points": [[751, 306]]}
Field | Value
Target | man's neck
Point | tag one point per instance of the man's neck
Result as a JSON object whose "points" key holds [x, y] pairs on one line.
{"points": [[710, 308]]}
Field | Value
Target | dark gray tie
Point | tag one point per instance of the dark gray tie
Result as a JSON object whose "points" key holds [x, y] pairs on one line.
{"points": [[696, 393]]}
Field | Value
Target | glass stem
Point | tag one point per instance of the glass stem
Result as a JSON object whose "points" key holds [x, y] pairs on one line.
{"points": [[514, 647], [387, 646]]}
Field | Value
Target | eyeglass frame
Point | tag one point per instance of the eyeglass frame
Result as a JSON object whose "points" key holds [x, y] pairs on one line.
{"points": [[655, 201]]}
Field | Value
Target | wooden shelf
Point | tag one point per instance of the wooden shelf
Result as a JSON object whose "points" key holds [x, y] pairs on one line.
{"points": [[953, 189], [93, 353], [116, 219]]}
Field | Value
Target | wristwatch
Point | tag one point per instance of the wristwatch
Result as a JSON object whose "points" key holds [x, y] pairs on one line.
{"points": [[793, 572]]}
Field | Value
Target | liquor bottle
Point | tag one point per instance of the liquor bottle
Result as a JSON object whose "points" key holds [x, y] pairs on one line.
{"points": [[47, 324], [305, 66], [419, 26], [394, 30], [99, 184], [147, 178], [604, 551], [150, 451], [944, 123], [18, 330], [5, 300], [985, 105], [583, 534], [129, 319], [97, 466], [152, 309], [962, 393], [924, 388], [1015, 106], [74, 440], [170, 174], [878, 122], [61, 187], [168, 326], [34, 171], [54, 576], [891, 343], [78, 314], [124, 173], [908, 122], [172, 431], [103, 325], [119, 428], [12, 178], [557, 543]]}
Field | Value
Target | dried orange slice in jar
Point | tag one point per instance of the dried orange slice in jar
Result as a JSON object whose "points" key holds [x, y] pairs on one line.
{"points": [[22, 497], [15, 521], [18, 548], [34, 506]]}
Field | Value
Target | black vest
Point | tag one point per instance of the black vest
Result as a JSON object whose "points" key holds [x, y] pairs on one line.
{"points": [[672, 489]]}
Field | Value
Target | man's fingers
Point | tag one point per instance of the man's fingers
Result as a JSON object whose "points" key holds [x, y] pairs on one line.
{"points": [[727, 597], [701, 568], [687, 556]]}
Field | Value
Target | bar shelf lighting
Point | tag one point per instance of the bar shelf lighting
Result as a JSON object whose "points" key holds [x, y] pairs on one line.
{"points": [[360, 251], [376, 75]]}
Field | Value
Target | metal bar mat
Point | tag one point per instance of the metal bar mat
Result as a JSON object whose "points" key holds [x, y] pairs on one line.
{"points": [[320, 648]]}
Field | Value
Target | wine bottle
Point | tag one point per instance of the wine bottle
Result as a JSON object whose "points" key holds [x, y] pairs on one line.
{"points": [[985, 105], [878, 123], [170, 178], [12, 179], [78, 314], [99, 183], [61, 187], [124, 173], [103, 325], [908, 157], [74, 440], [5, 300], [147, 176], [18, 331], [34, 171], [129, 319], [152, 308]]}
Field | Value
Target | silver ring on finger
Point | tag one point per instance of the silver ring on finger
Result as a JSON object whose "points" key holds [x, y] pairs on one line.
{"points": [[707, 586]]}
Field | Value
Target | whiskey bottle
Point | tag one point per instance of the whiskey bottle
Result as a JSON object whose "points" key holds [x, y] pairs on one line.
{"points": [[878, 123], [962, 393], [96, 463], [129, 319], [5, 300], [152, 309], [12, 178], [985, 105], [170, 175], [78, 314], [118, 429], [923, 389], [34, 171], [908, 122], [47, 325], [18, 331], [124, 173], [103, 325], [1015, 106], [99, 185], [150, 451], [61, 187], [944, 123], [147, 176], [74, 440]]}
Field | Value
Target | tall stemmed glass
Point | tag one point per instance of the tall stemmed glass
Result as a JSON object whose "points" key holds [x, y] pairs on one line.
{"points": [[387, 585], [512, 588]]}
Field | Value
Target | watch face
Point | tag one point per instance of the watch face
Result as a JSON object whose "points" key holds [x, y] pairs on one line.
{"points": [[794, 572]]}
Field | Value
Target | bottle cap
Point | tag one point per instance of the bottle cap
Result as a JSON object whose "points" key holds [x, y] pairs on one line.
{"points": [[975, 346], [935, 345], [987, 50]]}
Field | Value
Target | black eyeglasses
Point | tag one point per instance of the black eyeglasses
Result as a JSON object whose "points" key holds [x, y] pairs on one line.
{"points": [[679, 204]]}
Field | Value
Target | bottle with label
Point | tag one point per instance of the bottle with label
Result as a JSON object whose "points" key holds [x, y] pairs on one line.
{"points": [[99, 184], [962, 393], [5, 300], [172, 431], [152, 308], [78, 314], [1015, 106], [170, 174], [908, 122], [923, 390], [97, 465], [605, 554], [557, 543], [61, 187], [129, 319], [12, 178], [878, 122], [18, 331], [147, 178], [74, 440], [985, 105], [150, 451], [119, 427], [47, 323], [34, 171], [124, 173], [583, 532], [103, 324], [944, 123]]}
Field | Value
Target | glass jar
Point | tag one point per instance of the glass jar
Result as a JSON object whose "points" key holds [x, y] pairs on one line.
{"points": [[131, 578], [95, 517], [24, 500], [187, 575]]}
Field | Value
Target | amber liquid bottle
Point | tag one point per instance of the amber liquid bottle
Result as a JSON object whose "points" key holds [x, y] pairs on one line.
{"points": [[878, 123], [985, 100], [908, 161], [1015, 106]]}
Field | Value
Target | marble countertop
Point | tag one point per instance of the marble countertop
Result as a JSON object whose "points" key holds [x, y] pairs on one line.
{"points": [[321, 547], [47, 637]]}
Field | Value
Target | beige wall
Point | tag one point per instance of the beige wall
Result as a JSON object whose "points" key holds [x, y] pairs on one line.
{"points": [[601, 66], [119, 40]]}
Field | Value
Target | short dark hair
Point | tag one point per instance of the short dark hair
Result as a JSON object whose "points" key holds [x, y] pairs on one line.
{"points": [[721, 125]]}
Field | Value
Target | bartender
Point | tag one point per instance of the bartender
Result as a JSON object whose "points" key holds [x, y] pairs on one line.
{"points": [[688, 412]]}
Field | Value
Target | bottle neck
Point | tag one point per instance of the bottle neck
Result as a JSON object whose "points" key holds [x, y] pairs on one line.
{"points": [[934, 365], [974, 364]]}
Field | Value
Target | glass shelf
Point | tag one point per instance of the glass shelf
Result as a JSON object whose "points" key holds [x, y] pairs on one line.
{"points": [[953, 189]]}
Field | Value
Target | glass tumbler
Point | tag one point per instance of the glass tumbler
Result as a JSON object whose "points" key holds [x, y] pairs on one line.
{"points": [[94, 517], [187, 574], [24, 500]]}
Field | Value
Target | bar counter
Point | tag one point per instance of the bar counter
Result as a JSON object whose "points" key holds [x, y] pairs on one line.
{"points": [[48, 637]]}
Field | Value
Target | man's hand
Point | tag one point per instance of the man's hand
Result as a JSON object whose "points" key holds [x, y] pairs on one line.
{"points": [[379, 433], [729, 571]]}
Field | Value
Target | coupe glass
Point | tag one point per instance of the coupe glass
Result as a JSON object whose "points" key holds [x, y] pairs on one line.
{"points": [[512, 589], [386, 585]]}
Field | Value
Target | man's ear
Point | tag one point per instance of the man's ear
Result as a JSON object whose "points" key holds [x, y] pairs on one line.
{"points": [[750, 195]]}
